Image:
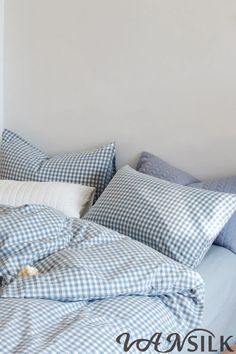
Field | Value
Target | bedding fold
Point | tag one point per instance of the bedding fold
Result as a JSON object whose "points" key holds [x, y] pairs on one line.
{"points": [[99, 285]]}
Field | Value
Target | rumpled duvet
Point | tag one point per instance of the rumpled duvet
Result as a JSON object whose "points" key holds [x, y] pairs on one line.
{"points": [[95, 287]]}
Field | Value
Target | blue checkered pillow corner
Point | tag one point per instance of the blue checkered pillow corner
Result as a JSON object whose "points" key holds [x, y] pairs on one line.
{"points": [[21, 161], [179, 221]]}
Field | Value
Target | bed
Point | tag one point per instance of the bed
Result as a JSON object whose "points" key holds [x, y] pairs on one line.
{"points": [[138, 268]]}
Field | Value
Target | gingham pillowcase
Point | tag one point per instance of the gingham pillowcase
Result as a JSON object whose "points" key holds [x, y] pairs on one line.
{"points": [[21, 161], [154, 166], [179, 221]]}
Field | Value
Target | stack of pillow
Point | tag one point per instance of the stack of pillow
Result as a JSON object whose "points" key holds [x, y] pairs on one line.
{"points": [[157, 204], [69, 182]]}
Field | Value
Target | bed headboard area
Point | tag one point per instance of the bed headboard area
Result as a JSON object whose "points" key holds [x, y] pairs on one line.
{"points": [[154, 75]]}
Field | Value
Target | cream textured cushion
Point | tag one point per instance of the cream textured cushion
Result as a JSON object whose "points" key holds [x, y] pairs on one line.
{"points": [[71, 199]]}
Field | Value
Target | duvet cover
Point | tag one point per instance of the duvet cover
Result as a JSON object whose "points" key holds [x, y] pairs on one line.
{"points": [[95, 291]]}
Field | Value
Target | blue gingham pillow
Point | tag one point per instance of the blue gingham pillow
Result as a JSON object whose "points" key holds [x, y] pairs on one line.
{"points": [[154, 166], [179, 221], [22, 161]]}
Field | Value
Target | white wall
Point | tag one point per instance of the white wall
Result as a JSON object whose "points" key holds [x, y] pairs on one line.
{"points": [[158, 75], [1, 62]]}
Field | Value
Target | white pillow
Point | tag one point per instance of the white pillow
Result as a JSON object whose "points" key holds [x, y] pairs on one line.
{"points": [[73, 200]]}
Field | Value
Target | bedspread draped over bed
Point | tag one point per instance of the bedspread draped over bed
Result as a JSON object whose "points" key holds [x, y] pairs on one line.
{"points": [[93, 285]]}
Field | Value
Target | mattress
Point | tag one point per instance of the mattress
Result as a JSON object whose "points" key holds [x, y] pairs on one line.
{"points": [[218, 271]]}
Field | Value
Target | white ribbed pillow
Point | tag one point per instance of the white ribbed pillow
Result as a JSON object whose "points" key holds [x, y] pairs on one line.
{"points": [[71, 199]]}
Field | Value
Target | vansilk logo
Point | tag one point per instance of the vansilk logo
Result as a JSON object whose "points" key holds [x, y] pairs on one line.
{"points": [[192, 342]]}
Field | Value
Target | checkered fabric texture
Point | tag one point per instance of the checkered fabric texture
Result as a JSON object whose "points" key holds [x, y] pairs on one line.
{"points": [[23, 228], [21, 161], [178, 221], [100, 285]]}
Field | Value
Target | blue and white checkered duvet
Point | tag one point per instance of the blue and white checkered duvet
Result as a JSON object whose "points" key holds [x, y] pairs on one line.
{"points": [[93, 285]]}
